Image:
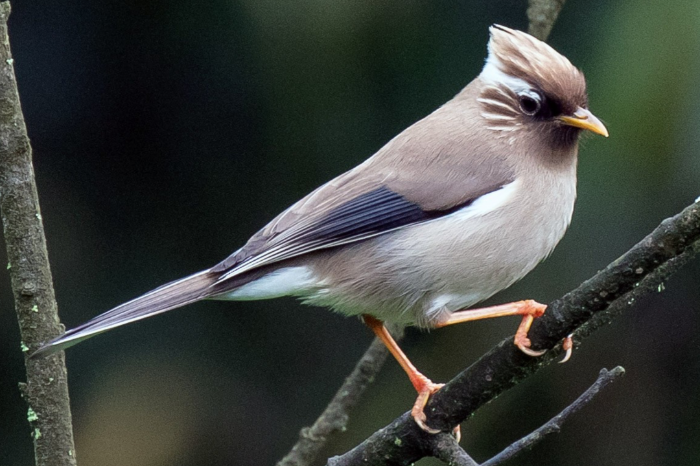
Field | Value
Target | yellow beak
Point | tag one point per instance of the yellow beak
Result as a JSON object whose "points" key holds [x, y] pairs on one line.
{"points": [[584, 119]]}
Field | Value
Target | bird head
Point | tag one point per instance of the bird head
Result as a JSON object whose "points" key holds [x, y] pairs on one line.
{"points": [[527, 86]]}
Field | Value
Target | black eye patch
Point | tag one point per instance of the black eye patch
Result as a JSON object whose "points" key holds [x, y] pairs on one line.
{"points": [[549, 108]]}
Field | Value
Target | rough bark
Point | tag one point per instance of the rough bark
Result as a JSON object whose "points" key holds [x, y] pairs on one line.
{"points": [[46, 389]]}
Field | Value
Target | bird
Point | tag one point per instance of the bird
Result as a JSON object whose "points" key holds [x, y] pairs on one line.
{"points": [[457, 207]]}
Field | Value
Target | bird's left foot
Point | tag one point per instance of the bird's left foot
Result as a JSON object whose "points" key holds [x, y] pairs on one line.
{"points": [[530, 310]]}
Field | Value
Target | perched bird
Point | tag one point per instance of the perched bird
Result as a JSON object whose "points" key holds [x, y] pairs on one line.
{"points": [[457, 207]]}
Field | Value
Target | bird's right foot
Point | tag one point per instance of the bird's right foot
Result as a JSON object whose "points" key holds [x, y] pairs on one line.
{"points": [[427, 389]]}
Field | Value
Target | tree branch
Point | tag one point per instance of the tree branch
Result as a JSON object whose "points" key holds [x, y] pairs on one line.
{"points": [[46, 390], [446, 448], [625, 281], [541, 15], [335, 417], [554, 425]]}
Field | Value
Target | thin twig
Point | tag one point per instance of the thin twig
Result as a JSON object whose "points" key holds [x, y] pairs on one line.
{"points": [[46, 390], [335, 417], [554, 425], [448, 450]]}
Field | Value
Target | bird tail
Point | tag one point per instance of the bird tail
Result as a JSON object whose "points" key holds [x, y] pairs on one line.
{"points": [[165, 298]]}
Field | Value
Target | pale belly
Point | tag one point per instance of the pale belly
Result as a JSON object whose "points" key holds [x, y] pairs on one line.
{"points": [[419, 275]]}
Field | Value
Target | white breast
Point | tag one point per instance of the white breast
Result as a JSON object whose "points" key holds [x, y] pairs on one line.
{"points": [[468, 256]]}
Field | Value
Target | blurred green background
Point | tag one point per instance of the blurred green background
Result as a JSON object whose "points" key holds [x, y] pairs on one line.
{"points": [[166, 133]]}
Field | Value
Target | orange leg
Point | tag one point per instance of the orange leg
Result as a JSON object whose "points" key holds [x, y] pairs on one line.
{"points": [[423, 385], [529, 309]]}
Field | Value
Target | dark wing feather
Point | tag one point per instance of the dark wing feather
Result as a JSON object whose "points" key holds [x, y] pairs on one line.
{"points": [[369, 214]]}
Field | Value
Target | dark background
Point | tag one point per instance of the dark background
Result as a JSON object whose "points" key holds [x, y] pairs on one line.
{"points": [[166, 133]]}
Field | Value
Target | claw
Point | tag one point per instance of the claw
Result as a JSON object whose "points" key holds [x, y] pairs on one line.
{"points": [[531, 311], [530, 352], [417, 411], [419, 415], [457, 433], [568, 346], [421, 423]]}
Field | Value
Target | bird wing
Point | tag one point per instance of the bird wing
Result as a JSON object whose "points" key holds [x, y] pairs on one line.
{"points": [[375, 198]]}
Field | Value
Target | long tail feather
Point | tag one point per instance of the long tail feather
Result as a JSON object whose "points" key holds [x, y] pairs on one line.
{"points": [[165, 298]]}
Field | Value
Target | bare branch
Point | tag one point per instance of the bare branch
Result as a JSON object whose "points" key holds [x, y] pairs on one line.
{"points": [[446, 449], [541, 15], [554, 425], [620, 286], [46, 390], [335, 417]]}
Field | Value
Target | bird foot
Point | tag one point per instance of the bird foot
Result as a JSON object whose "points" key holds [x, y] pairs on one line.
{"points": [[531, 310], [423, 396], [523, 345], [418, 412]]}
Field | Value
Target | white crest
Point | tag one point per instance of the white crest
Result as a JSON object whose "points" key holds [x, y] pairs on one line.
{"points": [[493, 75]]}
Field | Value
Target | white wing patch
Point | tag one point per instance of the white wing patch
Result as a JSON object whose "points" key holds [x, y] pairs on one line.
{"points": [[489, 202]]}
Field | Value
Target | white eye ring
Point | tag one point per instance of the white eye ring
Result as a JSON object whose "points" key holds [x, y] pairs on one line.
{"points": [[530, 102]]}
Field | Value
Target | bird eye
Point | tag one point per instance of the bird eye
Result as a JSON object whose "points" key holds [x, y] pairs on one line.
{"points": [[530, 103]]}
